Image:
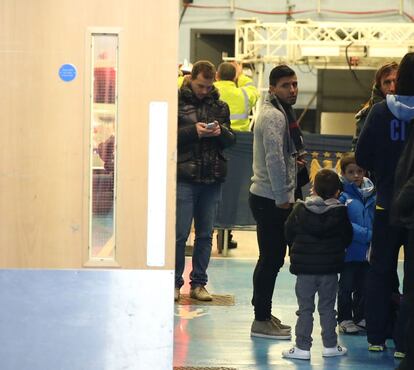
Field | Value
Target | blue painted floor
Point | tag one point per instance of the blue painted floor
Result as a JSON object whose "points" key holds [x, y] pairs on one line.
{"points": [[85, 319], [213, 336]]}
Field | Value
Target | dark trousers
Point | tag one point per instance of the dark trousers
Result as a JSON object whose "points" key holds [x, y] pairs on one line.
{"points": [[406, 320], [351, 293], [408, 362], [270, 222], [386, 242]]}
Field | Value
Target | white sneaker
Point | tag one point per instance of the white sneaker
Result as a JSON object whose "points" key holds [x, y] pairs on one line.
{"points": [[296, 353], [348, 327], [334, 351]]}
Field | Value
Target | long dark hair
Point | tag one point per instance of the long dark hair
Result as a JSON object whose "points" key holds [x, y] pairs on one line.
{"points": [[384, 70]]}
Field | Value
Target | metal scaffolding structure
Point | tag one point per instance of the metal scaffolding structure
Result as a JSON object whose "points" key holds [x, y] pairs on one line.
{"points": [[337, 45], [322, 44]]}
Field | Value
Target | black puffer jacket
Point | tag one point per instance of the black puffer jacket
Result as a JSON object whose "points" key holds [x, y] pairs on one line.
{"points": [[202, 160], [319, 232]]}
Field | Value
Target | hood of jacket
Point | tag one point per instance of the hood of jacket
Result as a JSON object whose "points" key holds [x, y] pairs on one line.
{"points": [[318, 205], [321, 217], [365, 191], [325, 221], [401, 106]]}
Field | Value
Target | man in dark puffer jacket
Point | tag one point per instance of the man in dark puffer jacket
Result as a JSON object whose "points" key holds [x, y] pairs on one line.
{"points": [[319, 232], [203, 132]]}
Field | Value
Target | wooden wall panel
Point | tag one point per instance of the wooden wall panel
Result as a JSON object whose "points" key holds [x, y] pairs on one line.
{"points": [[44, 143]]}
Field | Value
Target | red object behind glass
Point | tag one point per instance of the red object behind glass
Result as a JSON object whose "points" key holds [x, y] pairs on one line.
{"points": [[104, 85]]}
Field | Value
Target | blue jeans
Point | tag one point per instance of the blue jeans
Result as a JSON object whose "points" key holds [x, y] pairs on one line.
{"points": [[198, 202]]}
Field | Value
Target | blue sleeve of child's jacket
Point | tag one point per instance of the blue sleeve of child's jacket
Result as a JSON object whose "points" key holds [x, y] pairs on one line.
{"points": [[361, 234]]}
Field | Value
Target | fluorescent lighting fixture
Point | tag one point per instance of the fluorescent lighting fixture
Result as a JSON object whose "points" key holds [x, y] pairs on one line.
{"points": [[320, 51], [157, 183], [384, 52]]}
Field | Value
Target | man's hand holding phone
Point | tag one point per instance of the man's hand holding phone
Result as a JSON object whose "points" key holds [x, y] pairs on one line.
{"points": [[209, 129]]}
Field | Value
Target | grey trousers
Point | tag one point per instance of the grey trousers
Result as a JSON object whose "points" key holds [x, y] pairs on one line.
{"points": [[306, 287]]}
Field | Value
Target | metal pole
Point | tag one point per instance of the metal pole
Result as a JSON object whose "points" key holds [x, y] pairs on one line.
{"points": [[318, 6], [231, 6], [401, 7], [289, 7], [259, 68], [225, 249]]}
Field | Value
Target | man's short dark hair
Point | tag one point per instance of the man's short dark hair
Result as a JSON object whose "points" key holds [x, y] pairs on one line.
{"points": [[226, 71], [346, 160], [405, 76], [279, 72], [206, 68], [327, 184], [384, 70]]}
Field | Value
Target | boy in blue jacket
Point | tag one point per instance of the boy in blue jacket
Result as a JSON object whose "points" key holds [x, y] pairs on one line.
{"points": [[359, 197]]}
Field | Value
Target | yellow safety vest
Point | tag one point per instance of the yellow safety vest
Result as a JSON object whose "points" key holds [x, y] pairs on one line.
{"points": [[240, 99], [180, 81]]}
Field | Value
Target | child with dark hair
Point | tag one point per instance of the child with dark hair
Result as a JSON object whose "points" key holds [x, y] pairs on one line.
{"points": [[318, 230], [359, 197]]}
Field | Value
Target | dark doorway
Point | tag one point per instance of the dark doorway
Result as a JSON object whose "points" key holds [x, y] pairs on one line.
{"points": [[340, 90], [211, 45]]}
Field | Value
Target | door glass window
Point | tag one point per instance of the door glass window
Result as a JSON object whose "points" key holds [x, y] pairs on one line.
{"points": [[104, 121]]}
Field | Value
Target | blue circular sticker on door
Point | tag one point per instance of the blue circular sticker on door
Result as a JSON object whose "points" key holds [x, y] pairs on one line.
{"points": [[67, 72]]}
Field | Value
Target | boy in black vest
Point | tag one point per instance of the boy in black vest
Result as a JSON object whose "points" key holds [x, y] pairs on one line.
{"points": [[318, 231]]}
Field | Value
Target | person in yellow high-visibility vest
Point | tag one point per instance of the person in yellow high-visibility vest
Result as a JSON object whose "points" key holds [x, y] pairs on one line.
{"points": [[183, 71], [239, 92]]}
